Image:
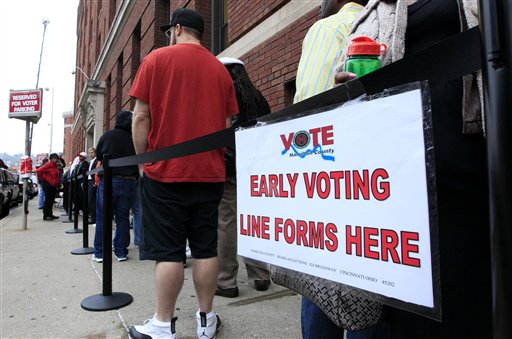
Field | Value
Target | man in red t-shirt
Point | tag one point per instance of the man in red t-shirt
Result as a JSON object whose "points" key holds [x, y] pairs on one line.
{"points": [[50, 180], [182, 92]]}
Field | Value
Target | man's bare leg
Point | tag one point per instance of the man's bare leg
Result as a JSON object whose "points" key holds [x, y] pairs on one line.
{"points": [[205, 274], [168, 282]]}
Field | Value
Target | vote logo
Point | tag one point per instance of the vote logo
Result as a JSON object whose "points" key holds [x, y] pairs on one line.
{"points": [[297, 144], [301, 139]]}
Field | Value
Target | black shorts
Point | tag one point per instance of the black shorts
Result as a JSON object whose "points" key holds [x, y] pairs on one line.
{"points": [[175, 212]]}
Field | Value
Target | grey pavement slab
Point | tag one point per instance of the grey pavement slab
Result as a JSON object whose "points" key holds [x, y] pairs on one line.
{"points": [[43, 284]]}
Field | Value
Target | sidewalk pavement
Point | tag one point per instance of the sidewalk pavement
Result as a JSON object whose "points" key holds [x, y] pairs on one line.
{"points": [[43, 284]]}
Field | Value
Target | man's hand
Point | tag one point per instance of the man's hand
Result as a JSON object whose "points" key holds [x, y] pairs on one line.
{"points": [[342, 77]]}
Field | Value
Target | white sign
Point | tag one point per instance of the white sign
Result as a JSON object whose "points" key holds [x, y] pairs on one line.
{"points": [[341, 195]]}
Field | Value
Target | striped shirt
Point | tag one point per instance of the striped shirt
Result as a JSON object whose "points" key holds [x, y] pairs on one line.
{"points": [[321, 50]]}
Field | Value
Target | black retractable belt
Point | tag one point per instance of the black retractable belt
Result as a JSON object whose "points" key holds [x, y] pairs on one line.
{"points": [[205, 143], [447, 60]]}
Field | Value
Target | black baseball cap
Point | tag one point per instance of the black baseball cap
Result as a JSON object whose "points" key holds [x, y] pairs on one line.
{"points": [[187, 18]]}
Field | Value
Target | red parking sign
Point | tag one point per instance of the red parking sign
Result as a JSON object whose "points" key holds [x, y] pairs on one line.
{"points": [[26, 104]]}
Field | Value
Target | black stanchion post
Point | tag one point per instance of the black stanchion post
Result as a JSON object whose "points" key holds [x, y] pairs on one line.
{"points": [[496, 30], [107, 300], [85, 249], [70, 202], [75, 182]]}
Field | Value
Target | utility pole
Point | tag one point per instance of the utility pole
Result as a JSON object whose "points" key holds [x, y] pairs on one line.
{"points": [[51, 120], [28, 134]]}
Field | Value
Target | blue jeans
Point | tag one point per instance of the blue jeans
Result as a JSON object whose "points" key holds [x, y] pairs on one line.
{"points": [[123, 191], [137, 214], [315, 324], [41, 196]]}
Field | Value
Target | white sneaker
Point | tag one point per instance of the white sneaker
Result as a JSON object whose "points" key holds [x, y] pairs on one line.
{"points": [[207, 325], [121, 258], [154, 329], [95, 258]]}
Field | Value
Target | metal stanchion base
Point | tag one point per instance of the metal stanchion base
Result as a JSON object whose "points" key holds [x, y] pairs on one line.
{"points": [[100, 302], [82, 250], [73, 231]]}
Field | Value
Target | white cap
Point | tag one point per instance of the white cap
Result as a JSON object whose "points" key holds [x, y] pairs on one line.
{"points": [[83, 154], [230, 61]]}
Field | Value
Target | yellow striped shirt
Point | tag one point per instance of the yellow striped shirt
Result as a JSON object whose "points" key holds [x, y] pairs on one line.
{"points": [[321, 50]]}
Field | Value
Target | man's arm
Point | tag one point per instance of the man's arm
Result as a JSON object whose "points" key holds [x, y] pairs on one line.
{"points": [[140, 126]]}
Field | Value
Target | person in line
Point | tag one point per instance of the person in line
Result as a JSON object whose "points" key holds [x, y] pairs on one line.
{"points": [[65, 189], [118, 143], [40, 199], [182, 92], [68, 181], [49, 180], [91, 186], [83, 164], [251, 105], [321, 50], [136, 216], [61, 164], [460, 163]]}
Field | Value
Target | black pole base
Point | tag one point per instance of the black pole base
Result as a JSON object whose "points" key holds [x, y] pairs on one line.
{"points": [[67, 221], [74, 230], [82, 250], [100, 302]]}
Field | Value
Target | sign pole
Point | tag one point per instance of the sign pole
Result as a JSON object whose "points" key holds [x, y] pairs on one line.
{"points": [[25, 180], [28, 136]]}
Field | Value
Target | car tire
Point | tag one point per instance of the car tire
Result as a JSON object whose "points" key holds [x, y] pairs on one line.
{"points": [[5, 208]]}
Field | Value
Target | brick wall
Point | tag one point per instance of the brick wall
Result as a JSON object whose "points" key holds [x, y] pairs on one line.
{"points": [[245, 15], [274, 62], [204, 8]]}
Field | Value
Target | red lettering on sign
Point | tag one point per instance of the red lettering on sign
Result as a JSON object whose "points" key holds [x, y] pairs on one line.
{"points": [[327, 135], [257, 226], [408, 248], [287, 142], [361, 185], [389, 241], [314, 134], [379, 244], [370, 242], [330, 233], [380, 191], [353, 240]]}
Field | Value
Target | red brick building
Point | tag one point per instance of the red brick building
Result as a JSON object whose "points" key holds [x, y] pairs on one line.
{"points": [[115, 35]]}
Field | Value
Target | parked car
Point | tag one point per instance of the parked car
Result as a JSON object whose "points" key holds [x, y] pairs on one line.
{"points": [[32, 189], [7, 191], [18, 191]]}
